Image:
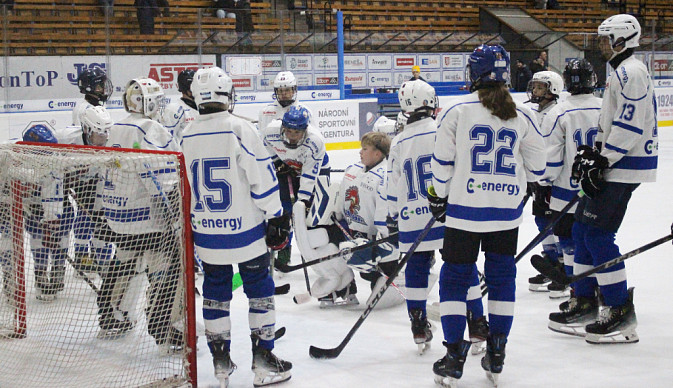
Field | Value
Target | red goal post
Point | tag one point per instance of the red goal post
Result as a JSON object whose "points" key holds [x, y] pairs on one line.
{"points": [[60, 308]]}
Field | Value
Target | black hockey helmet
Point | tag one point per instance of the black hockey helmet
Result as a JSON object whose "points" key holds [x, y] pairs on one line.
{"points": [[94, 83], [579, 76], [185, 79]]}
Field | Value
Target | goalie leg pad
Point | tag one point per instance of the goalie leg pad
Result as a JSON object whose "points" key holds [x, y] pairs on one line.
{"points": [[313, 243], [323, 204]]}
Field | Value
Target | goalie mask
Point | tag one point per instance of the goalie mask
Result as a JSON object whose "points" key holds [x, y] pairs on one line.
{"points": [[545, 85], [293, 129], [618, 33], [95, 85], [285, 88], [96, 124], [418, 97], [213, 85], [39, 134], [144, 96]]}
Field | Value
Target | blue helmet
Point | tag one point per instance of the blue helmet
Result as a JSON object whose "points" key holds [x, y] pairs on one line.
{"points": [[488, 65], [39, 134], [296, 118]]}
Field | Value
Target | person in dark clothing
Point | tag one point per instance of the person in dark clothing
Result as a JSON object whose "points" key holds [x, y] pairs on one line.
{"points": [[523, 75], [416, 74], [146, 11], [236, 9], [540, 63]]}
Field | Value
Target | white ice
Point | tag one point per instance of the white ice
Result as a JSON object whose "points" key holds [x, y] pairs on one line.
{"points": [[382, 352]]}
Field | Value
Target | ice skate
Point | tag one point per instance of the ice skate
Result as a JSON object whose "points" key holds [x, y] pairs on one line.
{"points": [[420, 328], [574, 315], [478, 329], [558, 291], [111, 327], [43, 289], [617, 325], [494, 359], [449, 368], [172, 343], [268, 368], [222, 364], [57, 279], [538, 283], [344, 297]]}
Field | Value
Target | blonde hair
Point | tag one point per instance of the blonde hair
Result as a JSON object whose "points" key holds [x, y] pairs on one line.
{"points": [[378, 140]]}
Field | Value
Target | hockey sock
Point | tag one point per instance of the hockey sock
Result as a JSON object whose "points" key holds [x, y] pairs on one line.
{"points": [[500, 272], [416, 280], [217, 296], [474, 303], [549, 241], [259, 288], [583, 262], [612, 281], [454, 281], [568, 247]]}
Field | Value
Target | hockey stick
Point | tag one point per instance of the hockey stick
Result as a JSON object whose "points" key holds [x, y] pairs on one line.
{"points": [[333, 353], [293, 198], [344, 252], [556, 275], [81, 273]]}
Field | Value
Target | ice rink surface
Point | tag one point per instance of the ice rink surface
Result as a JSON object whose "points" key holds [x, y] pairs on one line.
{"points": [[382, 352]]}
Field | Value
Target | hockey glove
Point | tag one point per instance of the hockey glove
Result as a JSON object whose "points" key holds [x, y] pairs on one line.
{"points": [[590, 165], [283, 169], [392, 226], [541, 194], [361, 261], [278, 232], [437, 205]]}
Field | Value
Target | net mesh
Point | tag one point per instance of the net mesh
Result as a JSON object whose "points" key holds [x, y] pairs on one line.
{"points": [[94, 268]]}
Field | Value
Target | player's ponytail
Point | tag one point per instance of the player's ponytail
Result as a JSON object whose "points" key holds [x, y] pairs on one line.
{"points": [[497, 99]]}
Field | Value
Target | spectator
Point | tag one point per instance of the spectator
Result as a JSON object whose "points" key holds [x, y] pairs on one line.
{"points": [[239, 10], [416, 74], [523, 75], [539, 63], [106, 7], [7, 4], [146, 11]]}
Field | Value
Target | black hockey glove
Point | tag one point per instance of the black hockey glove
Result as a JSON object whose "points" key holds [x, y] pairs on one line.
{"points": [[283, 169], [437, 205], [278, 232], [591, 165], [541, 194], [391, 224]]}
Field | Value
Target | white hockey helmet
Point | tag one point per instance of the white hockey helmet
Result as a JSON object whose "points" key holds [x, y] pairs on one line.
{"points": [[401, 122], [553, 82], [417, 95], [620, 30], [285, 88], [213, 85], [385, 125], [144, 95], [96, 124]]}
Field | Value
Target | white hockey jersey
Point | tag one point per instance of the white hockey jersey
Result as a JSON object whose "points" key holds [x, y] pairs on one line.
{"points": [[80, 107], [176, 116], [628, 124], [234, 188], [133, 202], [409, 177], [72, 134], [482, 164], [362, 199], [569, 124], [306, 160], [274, 111]]}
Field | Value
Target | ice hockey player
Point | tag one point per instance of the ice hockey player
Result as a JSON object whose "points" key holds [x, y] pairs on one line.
{"points": [[177, 115], [571, 123], [390, 127], [96, 87], [219, 142], [285, 89], [624, 155], [477, 194], [299, 157], [140, 239], [49, 219], [544, 89], [409, 161]]}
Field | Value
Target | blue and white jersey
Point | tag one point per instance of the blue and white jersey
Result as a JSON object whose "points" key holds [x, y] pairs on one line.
{"points": [[306, 160], [569, 125], [628, 124], [234, 188], [275, 111], [482, 163], [176, 116], [132, 197], [362, 199], [409, 176]]}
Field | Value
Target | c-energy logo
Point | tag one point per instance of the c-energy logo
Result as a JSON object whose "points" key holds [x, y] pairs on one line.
{"points": [[507, 188]]}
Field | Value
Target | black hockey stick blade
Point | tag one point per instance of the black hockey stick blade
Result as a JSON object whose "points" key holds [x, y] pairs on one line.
{"points": [[329, 354], [548, 270], [282, 290], [279, 334], [285, 268]]}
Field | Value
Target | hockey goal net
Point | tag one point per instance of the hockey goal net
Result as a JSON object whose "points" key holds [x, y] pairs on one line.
{"points": [[97, 277]]}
